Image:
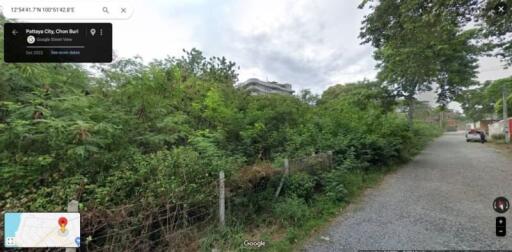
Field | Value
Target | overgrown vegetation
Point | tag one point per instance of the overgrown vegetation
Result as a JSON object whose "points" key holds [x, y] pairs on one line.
{"points": [[485, 100], [421, 43], [157, 135]]}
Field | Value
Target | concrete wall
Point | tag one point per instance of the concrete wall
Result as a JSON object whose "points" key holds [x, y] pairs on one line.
{"points": [[484, 125], [498, 127]]}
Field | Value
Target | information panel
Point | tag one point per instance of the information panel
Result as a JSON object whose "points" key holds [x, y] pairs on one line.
{"points": [[58, 42]]}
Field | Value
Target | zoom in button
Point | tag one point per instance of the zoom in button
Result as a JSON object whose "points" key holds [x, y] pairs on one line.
{"points": [[501, 226]]}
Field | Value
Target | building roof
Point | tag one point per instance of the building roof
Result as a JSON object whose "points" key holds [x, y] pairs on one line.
{"points": [[257, 85]]}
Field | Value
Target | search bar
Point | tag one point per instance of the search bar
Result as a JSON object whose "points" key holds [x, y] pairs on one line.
{"points": [[66, 10]]}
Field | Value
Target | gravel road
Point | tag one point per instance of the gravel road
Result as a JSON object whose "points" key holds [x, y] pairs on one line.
{"points": [[440, 200]]}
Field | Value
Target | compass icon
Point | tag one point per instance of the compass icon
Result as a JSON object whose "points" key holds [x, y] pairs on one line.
{"points": [[501, 205]]}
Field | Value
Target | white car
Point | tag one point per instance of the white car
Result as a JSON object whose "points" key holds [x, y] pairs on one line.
{"points": [[474, 136]]}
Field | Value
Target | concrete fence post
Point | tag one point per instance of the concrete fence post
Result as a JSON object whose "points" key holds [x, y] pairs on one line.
{"points": [[72, 208], [185, 214], [285, 173], [222, 205], [331, 159]]}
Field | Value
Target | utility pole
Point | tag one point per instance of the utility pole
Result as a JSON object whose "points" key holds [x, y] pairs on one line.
{"points": [[222, 200], [505, 115], [441, 118]]}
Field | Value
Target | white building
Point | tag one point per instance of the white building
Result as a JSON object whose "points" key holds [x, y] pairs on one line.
{"points": [[498, 128], [256, 86]]}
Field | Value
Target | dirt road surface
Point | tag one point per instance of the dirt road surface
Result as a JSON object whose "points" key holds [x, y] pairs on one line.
{"points": [[440, 200]]}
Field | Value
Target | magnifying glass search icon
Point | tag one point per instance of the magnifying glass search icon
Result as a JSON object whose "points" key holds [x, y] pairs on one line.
{"points": [[105, 10]]}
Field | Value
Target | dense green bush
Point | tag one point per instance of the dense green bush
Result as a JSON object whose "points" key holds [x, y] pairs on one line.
{"points": [[498, 137], [335, 185], [160, 132], [292, 211], [300, 185]]}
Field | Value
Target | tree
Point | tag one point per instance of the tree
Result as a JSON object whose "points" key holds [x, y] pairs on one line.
{"points": [[494, 89], [420, 43], [363, 95], [496, 29], [498, 108], [266, 124], [217, 69], [494, 94], [308, 97], [475, 103]]}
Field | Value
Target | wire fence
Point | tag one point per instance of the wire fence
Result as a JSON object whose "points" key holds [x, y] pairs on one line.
{"points": [[144, 227], [313, 164], [172, 225]]}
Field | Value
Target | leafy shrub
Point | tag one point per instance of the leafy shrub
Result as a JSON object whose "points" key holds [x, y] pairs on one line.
{"points": [[292, 211], [248, 204], [334, 185], [162, 131], [353, 181], [497, 137], [222, 238], [300, 185], [422, 133]]}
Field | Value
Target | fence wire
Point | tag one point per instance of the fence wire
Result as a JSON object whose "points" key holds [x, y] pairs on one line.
{"points": [[170, 225]]}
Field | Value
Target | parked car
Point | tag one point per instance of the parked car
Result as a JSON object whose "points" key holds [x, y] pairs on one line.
{"points": [[475, 135]]}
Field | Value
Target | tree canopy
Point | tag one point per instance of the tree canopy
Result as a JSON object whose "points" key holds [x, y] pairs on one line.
{"points": [[422, 43]]}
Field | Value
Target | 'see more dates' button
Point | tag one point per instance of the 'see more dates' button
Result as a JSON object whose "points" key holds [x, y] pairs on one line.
{"points": [[64, 52]]}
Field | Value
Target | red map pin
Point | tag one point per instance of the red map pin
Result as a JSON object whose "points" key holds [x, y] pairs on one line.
{"points": [[63, 222]]}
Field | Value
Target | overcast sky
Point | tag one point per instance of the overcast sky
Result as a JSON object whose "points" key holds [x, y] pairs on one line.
{"points": [[310, 44]]}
